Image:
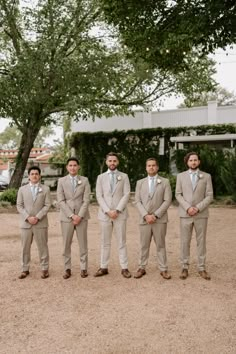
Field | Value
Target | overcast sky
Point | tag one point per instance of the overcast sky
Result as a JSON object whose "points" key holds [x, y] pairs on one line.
{"points": [[225, 76]]}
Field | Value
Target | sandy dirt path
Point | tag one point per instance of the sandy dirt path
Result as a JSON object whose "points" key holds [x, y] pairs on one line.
{"points": [[116, 315]]}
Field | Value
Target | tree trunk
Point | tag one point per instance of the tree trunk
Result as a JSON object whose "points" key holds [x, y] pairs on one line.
{"points": [[27, 142]]}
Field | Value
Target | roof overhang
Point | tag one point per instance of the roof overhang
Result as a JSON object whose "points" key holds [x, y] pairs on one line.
{"points": [[203, 138]]}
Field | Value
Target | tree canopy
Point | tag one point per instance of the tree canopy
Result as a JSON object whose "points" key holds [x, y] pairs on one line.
{"points": [[11, 136], [163, 32], [59, 57], [220, 94]]}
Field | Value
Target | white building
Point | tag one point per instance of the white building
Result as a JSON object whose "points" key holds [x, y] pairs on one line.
{"points": [[184, 117]]}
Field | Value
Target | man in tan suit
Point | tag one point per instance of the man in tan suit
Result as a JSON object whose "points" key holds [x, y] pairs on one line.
{"points": [[112, 192], [153, 197], [73, 196], [194, 193], [33, 203]]}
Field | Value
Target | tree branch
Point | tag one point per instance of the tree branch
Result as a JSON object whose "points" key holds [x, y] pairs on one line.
{"points": [[13, 31]]}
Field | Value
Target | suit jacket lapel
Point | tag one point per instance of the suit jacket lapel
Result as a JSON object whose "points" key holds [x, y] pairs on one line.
{"points": [[198, 179], [29, 193], [155, 188], [145, 191], [68, 185], [188, 180], [39, 188], [116, 180]]}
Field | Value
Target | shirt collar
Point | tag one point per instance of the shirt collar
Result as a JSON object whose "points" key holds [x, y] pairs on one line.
{"points": [[34, 185], [109, 171], [71, 177], [151, 177], [193, 171]]}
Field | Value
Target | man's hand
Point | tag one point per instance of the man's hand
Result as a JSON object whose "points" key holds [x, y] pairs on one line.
{"points": [[113, 214], [150, 218], [76, 219], [32, 220], [192, 211]]}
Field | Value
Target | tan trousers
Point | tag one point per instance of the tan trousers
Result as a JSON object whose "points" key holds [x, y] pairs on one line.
{"points": [[119, 227], [68, 229], [158, 232], [186, 228], [41, 238]]}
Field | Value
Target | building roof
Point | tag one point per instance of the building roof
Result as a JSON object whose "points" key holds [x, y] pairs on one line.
{"points": [[199, 138], [34, 153]]}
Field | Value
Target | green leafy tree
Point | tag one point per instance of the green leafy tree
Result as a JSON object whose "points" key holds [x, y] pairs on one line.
{"points": [[228, 174], [58, 57], [10, 138], [164, 32], [221, 95]]}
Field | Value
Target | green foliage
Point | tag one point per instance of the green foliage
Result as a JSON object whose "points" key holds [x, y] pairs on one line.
{"points": [[228, 174], [10, 195], [172, 180], [164, 32], [4, 204], [220, 94], [10, 138], [135, 146], [53, 62]]}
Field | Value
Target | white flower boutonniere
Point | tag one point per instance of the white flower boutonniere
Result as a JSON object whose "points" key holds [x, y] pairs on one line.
{"points": [[158, 180], [79, 182], [200, 175], [40, 190], [118, 178]]}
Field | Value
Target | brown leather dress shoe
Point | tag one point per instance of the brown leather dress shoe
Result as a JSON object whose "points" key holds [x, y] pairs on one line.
{"points": [[165, 275], [140, 273], [44, 274], [24, 274], [84, 273], [67, 274], [184, 274], [204, 275], [126, 273], [100, 272]]}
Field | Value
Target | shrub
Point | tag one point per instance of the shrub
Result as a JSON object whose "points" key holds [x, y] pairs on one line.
{"points": [[4, 204], [10, 195], [172, 180], [228, 175]]}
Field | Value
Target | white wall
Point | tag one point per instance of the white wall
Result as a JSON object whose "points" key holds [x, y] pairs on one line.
{"points": [[109, 124], [211, 114]]}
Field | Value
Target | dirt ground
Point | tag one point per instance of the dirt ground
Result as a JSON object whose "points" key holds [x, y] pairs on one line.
{"points": [[116, 315]]}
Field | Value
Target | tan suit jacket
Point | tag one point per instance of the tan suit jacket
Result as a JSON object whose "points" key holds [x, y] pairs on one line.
{"points": [[26, 206], [117, 200], [73, 202], [156, 204], [200, 197]]}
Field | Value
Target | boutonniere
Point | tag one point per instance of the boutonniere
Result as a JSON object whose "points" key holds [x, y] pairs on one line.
{"points": [[79, 181], [200, 175], [118, 178], [40, 190], [158, 180]]}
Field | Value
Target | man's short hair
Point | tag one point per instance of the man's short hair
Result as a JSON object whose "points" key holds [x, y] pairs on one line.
{"points": [[152, 159], [187, 156], [34, 168], [72, 159], [112, 154]]}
